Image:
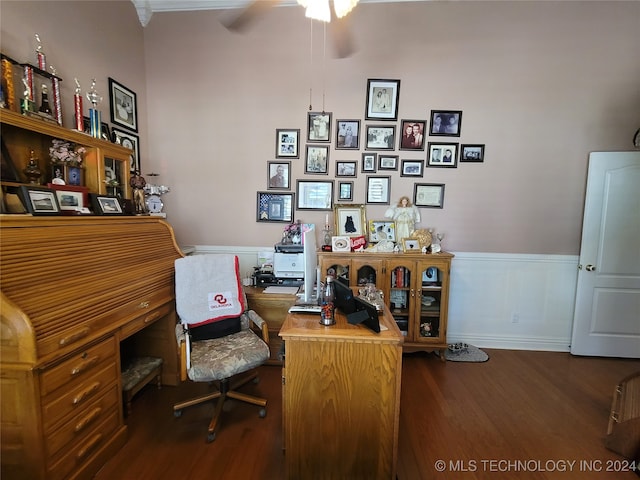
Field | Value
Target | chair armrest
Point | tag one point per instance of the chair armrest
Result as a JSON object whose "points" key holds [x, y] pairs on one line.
{"points": [[181, 338], [259, 322]]}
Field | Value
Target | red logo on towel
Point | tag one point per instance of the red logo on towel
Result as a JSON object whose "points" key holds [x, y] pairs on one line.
{"points": [[221, 299]]}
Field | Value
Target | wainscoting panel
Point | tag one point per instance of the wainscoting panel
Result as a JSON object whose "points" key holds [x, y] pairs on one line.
{"points": [[497, 300]]}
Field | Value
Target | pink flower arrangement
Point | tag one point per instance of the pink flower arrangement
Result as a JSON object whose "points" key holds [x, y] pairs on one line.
{"points": [[62, 151]]}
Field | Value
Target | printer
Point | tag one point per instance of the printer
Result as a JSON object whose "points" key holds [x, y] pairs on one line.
{"points": [[288, 268]]}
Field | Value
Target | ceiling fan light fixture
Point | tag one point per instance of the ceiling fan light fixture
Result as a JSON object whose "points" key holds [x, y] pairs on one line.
{"points": [[319, 9], [343, 7]]}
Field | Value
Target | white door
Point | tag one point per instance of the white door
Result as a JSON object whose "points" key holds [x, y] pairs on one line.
{"points": [[607, 311]]}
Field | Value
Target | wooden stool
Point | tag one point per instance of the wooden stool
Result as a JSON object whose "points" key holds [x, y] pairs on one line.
{"points": [[137, 374]]}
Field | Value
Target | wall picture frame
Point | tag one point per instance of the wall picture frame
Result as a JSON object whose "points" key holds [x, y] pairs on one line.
{"points": [[278, 175], [314, 195], [287, 143], [346, 169], [472, 153], [387, 162], [446, 123], [411, 135], [412, 168], [39, 200], [369, 161], [442, 155], [318, 126], [380, 137], [350, 220], [345, 192], [347, 134], [428, 195], [132, 142], [378, 189], [380, 230], [105, 204], [382, 99], [123, 105], [317, 159], [275, 207]]}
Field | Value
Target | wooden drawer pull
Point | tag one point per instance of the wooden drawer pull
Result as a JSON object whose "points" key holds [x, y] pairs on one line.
{"points": [[73, 337], [87, 364], [152, 317], [95, 413], [89, 446], [86, 392], [144, 305]]}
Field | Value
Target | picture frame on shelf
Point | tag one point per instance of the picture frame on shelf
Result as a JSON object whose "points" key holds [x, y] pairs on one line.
{"points": [[346, 169], [412, 133], [428, 195], [350, 220], [123, 105], [105, 204], [412, 168], [39, 200], [387, 162], [317, 160], [318, 126], [340, 243], [74, 175], [382, 99], [381, 137], [274, 207], [472, 153], [430, 276], [314, 195], [347, 134], [380, 230], [446, 123], [378, 190], [132, 142], [105, 134], [71, 198], [279, 175], [442, 155], [345, 192], [410, 245], [287, 143], [369, 162]]}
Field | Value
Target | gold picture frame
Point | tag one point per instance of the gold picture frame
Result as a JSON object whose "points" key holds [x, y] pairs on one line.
{"points": [[350, 220]]}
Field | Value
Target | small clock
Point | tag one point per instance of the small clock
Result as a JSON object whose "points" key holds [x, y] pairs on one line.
{"points": [[154, 204]]}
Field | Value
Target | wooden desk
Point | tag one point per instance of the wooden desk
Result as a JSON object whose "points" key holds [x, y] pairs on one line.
{"points": [[341, 398]]}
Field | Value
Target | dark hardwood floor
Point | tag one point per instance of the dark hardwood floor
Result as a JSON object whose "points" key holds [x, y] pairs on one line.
{"points": [[521, 415]]}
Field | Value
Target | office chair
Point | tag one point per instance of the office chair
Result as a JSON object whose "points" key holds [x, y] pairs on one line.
{"points": [[215, 339]]}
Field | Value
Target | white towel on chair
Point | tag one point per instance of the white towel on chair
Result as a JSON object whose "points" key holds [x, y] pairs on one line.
{"points": [[208, 288]]}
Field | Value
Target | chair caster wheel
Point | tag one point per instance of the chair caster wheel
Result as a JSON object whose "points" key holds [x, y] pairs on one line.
{"points": [[177, 413], [211, 437], [262, 413]]}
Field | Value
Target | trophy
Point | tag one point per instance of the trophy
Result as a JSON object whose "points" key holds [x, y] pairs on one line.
{"points": [[42, 61], [55, 94], [94, 114], [77, 108]]}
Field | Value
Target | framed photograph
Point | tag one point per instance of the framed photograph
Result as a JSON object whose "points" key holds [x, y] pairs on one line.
{"points": [[39, 200], [340, 243], [314, 195], [411, 168], [447, 123], [317, 159], [73, 175], [442, 155], [71, 198], [345, 192], [346, 169], [347, 134], [105, 204], [318, 126], [130, 141], [105, 134], [471, 153], [412, 137], [279, 175], [410, 245], [369, 162], [378, 190], [274, 207], [380, 230], [430, 276], [123, 105], [380, 137], [350, 220], [428, 195], [382, 99], [287, 141], [387, 162]]}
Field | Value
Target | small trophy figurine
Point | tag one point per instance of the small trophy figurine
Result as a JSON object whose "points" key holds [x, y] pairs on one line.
{"points": [[26, 104], [77, 107], [45, 108], [42, 60], [94, 114]]}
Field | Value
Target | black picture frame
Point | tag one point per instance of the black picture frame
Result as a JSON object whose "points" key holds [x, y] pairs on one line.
{"points": [[278, 175], [275, 207], [382, 99], [369, 162], [387, 162], [378, 190], [131, 141], [287, 143], [412, 168], [344, 192], [39, 200], [446, 123], [317, 160], [105, 204], [415, 139], [314, 195], [123, 105], [318, 127], [381, 137], [472, 153], [347, 134], [428, 195], [442, 155], [346, 168]]}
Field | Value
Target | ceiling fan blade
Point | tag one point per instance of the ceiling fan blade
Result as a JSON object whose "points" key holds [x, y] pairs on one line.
{"points": [[340, 32], [249, 14]]}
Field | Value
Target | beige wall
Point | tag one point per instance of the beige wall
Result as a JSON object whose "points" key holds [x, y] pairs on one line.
{"points": [[540, 83]]}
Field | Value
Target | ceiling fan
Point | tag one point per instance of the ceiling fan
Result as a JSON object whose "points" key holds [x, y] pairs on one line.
{"points": [[336, 18]]}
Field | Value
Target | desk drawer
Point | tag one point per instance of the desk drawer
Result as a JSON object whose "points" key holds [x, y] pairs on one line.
{"points": [[80, 366], [76, 399], [145, 319]]}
